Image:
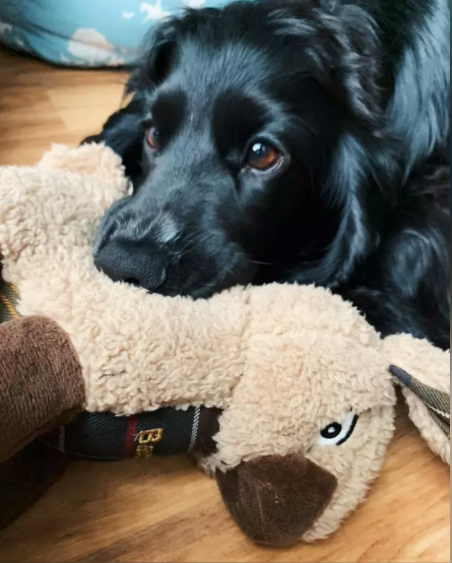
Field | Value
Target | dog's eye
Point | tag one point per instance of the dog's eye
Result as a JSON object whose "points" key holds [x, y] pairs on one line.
{"points": [[153, 138], [337, 433], [263, 156]]}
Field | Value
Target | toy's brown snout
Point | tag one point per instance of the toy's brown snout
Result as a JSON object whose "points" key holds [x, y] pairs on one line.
{"points": [[276, 499]]}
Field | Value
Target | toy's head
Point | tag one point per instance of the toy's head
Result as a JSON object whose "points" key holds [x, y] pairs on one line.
{"points": [[309, 424]]}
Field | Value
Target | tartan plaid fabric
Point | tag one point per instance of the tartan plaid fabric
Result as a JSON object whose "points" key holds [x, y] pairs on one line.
{"points": [[437, 402], [9, 298], [167, 431]]}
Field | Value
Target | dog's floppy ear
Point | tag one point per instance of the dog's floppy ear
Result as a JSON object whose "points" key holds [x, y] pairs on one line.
{"points": [[337, 43], [423, 371], [124, 130], [341, 45], [158, 50], [354, 76]]}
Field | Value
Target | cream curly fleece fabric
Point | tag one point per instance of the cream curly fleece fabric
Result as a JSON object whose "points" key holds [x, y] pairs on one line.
{"points": [[284, 362]]}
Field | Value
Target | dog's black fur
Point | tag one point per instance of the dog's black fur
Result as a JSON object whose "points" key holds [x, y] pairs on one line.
{"points": [[355, 96]]}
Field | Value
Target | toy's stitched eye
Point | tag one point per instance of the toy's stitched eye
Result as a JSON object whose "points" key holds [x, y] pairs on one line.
{"points": [[263, 156], [153, 138], [337, 433]]}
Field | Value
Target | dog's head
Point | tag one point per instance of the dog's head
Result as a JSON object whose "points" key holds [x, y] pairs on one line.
{"points": [[245, 120]]}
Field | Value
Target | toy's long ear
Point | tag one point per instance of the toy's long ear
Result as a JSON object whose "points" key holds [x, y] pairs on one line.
{"points": [[423, 371]]}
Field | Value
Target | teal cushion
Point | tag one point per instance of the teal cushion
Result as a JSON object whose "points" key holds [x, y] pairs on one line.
{"points": [[85, 33]]}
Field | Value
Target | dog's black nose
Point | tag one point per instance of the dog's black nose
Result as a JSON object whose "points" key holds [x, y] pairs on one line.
{"points": [[132, 264]]}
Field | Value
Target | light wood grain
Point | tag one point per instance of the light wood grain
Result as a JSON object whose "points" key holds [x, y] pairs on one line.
{"points": [[40, 105], [166, 510]]}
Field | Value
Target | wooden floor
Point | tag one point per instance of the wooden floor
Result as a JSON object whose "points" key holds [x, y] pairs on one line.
{"points": [[165, 510]]}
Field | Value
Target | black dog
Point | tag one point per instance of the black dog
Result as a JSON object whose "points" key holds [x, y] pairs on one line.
{"points": [[301, 141]]}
